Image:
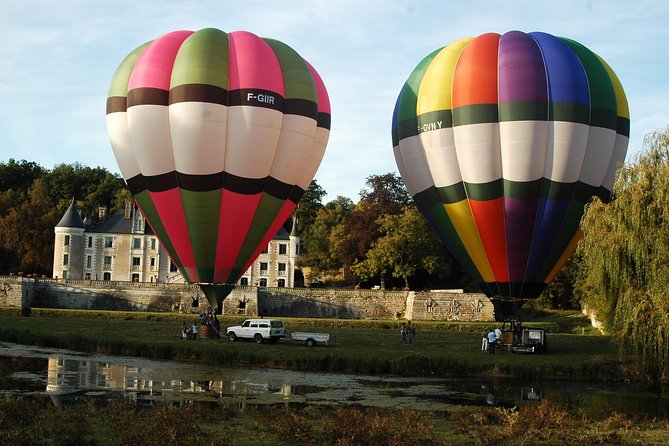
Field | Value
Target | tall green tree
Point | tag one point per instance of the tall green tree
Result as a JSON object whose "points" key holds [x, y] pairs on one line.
{"points": [[406, 245], [322, 250], [382, 195], [19, 175], [27, 231], [309, 205], [625, 254]]}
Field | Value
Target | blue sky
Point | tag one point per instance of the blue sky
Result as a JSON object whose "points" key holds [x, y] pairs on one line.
{"points": [[58, 58]]}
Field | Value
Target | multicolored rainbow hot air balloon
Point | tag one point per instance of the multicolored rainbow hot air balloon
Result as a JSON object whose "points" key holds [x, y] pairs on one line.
{"points": [[501, 141], [217, 136]]}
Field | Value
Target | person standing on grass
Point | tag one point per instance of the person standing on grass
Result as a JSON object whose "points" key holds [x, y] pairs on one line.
{"points": [[194, 330], [484, 341], [412, 333], [491, 341], [403, 333]]}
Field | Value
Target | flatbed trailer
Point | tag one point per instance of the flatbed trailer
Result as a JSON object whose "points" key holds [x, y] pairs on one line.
{"points": [[311, 339]]}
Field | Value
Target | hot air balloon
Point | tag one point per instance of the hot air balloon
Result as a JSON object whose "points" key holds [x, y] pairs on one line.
{"points": [[217, 136], [502, 140]]}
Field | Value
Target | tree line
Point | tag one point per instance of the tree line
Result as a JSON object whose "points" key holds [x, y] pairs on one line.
{"points": [[380, 239], [32, 201]]}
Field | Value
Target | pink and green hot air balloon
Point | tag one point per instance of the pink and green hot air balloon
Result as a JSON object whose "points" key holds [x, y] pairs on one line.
{"points": [[501, 141], [217, 136]]}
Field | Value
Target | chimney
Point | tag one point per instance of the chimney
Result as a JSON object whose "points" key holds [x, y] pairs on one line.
{"points": [[127, 213], [102, 213]]}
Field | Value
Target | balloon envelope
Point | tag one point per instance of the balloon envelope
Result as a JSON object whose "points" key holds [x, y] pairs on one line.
{"points": [[217, 136], [501, 141]]}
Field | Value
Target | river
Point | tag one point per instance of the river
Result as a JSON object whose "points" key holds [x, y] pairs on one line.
{"points": [[68, 376]]}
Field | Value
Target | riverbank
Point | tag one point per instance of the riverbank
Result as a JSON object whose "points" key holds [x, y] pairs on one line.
{"points": [[370, 347]]}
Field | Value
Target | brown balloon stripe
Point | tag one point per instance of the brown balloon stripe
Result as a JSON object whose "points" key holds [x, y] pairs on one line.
{"points": [[148, 96], [204, 183], [199, 93], [217, 95], [324, 120], [117, 104]]}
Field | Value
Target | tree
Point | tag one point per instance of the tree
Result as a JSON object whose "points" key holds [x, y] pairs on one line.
{"points": [[625, 254], [382, 195], [387, 193], [27, 230], [309, 205], [19, 175], [560, 292], [406, 246], [32, 201], [322, 252]]}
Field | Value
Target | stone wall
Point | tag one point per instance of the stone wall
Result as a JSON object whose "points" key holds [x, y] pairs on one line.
{"points": [[330, 303], [248, 301], [452, 306]]}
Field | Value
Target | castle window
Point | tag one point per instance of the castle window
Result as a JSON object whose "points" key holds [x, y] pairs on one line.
{"points": [[281, 283], [136, 243], [153, 263], [107, 263], [136, 262], [66, 240], [153, 243], [263, 282], [90, 242], [282, 269], [106, 276], [173, 267], [282, 249], [244, 281], [109, 241], [89, 261], [263, 267], [66, 259]]}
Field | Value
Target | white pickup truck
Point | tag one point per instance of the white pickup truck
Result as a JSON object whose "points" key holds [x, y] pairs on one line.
{"points": [[310, 338], [259, 330]]}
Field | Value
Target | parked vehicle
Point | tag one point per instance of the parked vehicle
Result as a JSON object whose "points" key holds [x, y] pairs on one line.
{"points": [[532, 340], [310, 338], [259, 330]]}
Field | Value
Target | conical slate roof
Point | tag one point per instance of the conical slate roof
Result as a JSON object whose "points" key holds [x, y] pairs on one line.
{"points": [[71, 219]]}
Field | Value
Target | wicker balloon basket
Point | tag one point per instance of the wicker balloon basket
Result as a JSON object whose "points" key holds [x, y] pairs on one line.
{"points": [[208, 332]]}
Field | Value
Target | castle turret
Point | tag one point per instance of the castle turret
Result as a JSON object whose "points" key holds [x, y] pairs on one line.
{"points": [[68, 250]]}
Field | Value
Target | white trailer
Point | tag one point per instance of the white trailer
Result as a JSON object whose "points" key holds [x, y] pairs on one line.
{"points": [[310, 339]]}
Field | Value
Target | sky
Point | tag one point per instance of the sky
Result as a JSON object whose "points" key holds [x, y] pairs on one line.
{"points": [[58, 57]]}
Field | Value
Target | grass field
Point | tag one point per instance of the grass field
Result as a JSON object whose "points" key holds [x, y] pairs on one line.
{"points": [[356, 346], [370, 346]]}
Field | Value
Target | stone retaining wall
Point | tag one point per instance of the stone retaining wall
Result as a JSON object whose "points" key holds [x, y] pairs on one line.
{"points": [[247, 301]]}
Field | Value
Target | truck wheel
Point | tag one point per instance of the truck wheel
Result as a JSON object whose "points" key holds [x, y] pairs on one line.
{"points": [[258, 338], [232, 336], [310, 342]]}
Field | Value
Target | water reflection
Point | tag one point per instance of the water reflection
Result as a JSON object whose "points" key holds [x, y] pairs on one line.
{"points": [[69, 376]]}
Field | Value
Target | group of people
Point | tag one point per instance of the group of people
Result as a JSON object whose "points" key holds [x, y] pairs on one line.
{"points": [[189, 333], [205, 318], [492, 337], [408, 331], [489, 339]]}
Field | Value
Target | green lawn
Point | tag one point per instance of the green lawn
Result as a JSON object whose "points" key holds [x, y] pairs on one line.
{"points": [[355, 346]]}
